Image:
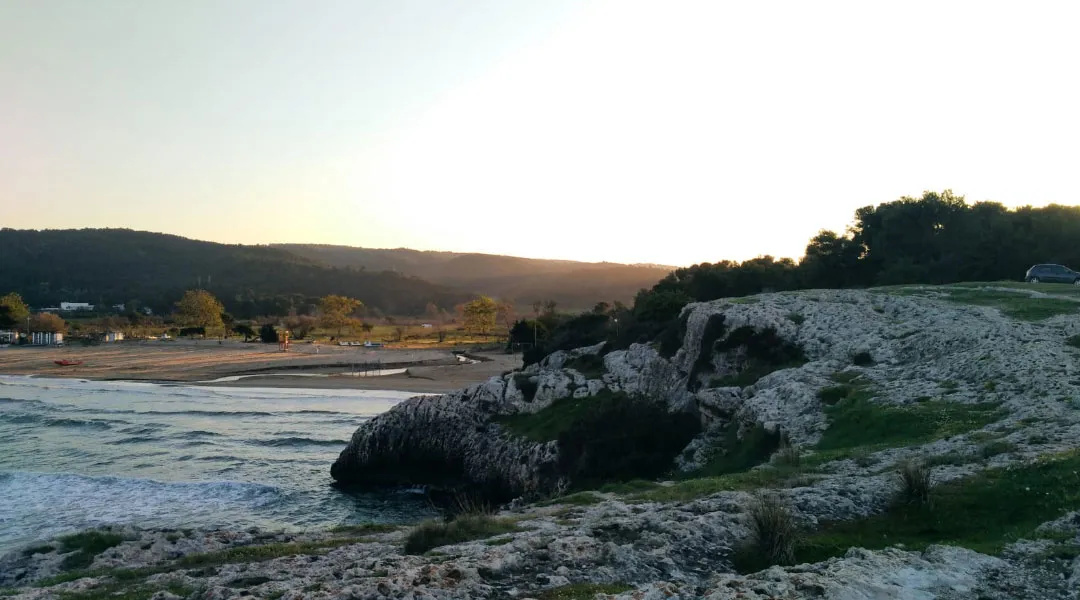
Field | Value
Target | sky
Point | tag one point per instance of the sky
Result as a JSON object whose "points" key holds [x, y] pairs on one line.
{"points": [[669, 132]]}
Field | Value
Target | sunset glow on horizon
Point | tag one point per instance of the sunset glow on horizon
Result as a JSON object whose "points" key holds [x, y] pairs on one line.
{"points": [[670, 133]]}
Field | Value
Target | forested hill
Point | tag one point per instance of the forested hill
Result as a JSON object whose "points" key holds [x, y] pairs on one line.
{"points": [[573, 285], [109, 266]]}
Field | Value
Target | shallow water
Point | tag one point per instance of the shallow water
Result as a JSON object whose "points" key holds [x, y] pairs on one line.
{"points": [[75, 454]]}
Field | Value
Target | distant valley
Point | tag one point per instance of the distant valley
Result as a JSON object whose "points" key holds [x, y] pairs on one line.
{"points": [[109, 266]]}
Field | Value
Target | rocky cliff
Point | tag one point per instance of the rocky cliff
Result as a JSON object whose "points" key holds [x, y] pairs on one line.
{"points": [[979, 386]]}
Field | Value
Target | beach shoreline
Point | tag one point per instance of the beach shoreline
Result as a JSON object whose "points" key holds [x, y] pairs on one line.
{"points": [[207, 362]]}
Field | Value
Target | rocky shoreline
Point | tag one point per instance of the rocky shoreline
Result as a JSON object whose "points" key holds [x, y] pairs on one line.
{"points": [[972, 390]]}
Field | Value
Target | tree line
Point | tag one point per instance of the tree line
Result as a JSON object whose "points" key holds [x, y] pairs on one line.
{"points": [[937, 238], [152, 270]]}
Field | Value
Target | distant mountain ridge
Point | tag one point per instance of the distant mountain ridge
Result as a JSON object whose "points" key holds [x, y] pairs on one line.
{"points": [[110, 266], [107, 266], [574, 285]]}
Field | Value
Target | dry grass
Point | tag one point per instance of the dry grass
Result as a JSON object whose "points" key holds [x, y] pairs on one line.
{"points": [[915, 480], [773, 537]]}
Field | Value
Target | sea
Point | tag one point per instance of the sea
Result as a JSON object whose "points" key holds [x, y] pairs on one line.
{"points": [[76, 454]]}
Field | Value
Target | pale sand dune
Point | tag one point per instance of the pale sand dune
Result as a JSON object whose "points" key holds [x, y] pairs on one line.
{"points": [[428, 371]]}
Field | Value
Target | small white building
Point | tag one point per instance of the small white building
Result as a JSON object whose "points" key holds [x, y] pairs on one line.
{"points": [[66, 306], [113, 336], [119, 307], [46, 338], [8, 337]]}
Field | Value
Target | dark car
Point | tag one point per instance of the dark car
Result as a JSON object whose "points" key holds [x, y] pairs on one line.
{"points": [[1051, 274]]}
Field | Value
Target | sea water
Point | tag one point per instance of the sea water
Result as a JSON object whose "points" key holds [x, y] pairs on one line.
{"points": [[76, 454]]}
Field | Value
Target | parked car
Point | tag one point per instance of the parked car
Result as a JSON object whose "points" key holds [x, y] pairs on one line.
{"points": [[1051, 274]]}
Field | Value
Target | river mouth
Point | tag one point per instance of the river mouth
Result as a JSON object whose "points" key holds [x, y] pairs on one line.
{"points": [[76, 454]]}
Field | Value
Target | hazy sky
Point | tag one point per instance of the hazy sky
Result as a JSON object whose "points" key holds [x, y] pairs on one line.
{"points": [[670, 132]]}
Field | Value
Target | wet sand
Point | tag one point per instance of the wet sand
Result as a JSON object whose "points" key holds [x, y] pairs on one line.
{"points": [[261, 365]]}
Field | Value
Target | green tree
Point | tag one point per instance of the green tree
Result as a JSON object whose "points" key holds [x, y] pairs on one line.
{"points": [[245, 330], [228, 321], [47, 322], [336, 310], [17, 309], [199, 308], [480, 315], [6, 322], [268, 334]]}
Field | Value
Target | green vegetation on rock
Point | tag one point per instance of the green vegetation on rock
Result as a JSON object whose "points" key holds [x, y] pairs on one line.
{"points": [[983, 512], [1019, 305], [608, 437], [464, 528], [736, 455], [859, 422], [589, 365], [243, 554], [85, 546], [583, 591]]}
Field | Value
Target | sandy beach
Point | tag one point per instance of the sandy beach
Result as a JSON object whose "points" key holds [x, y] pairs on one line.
{"points": [[260, 365]]}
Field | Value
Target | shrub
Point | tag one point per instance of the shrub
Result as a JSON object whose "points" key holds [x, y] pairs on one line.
{"points": [[773, 537], [620, 438], [589, 365], [433, 534], [915, 480], [736, 455], [993, 448], [268, 334], [862, 358], [834, 394], [796, 318], [527, 385], [761, 352], [1073, 340], [788, 455], [85, 546]]}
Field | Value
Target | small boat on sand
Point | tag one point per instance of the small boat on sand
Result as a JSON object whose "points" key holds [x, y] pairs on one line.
{"points": [[68, 363]]}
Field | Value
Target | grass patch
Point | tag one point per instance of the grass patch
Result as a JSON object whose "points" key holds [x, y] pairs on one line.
{"points": [[629, 487], [983, 512], [498, 541], [582, 591], [85, 546], [45, 549], [1017, 305], [845, 377], [545, 425], [996, 447], [245, 554], [364, 528], [858, 422], [834, 394], [737, 455], [700, 487], [577, 499], [433, 534]]}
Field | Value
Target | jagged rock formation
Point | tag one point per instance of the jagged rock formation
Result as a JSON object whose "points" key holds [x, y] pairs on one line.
{"points": [[427, 440], [678, 539]]}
